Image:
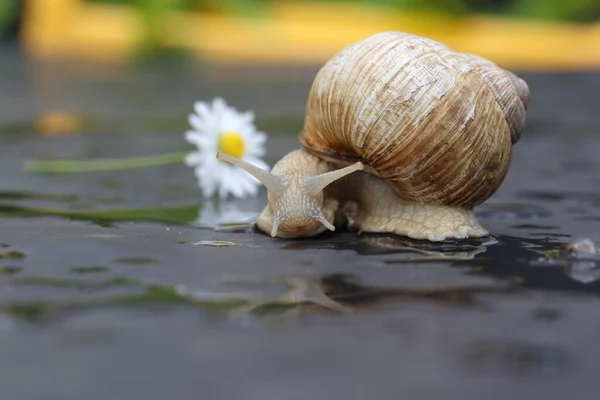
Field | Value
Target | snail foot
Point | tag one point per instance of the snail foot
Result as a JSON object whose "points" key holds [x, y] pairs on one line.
{"points": [[418, 221]]}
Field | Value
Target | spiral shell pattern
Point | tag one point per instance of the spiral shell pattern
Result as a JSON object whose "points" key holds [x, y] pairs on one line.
{"points": [[436, 124]]}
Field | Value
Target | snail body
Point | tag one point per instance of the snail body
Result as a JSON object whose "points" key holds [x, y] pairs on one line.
{"points": [[401, 135]]}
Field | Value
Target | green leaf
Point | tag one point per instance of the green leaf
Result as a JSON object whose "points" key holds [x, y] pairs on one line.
{"points": [[178, 215]]}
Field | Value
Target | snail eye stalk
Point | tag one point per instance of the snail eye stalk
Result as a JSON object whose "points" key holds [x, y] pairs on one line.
{"points": [[273, 183], [317, 183]]}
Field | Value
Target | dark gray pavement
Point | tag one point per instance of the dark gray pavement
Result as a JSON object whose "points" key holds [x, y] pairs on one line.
{"points": [[139, 310]]}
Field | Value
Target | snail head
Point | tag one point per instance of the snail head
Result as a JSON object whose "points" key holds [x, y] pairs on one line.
{"points": [[296, 201]]}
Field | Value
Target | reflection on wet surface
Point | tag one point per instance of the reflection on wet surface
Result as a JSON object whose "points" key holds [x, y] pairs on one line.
{"points": [[579, 259], [129, 275], [9, 270], [135, 260], [522, 360], [89, 270]]}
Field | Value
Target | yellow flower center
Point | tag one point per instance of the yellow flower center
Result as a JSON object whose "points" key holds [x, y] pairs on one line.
{"points": [[232, 143]]}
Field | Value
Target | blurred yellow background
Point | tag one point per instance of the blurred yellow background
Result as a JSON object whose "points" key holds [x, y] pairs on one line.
{"points": [[519, 34]]}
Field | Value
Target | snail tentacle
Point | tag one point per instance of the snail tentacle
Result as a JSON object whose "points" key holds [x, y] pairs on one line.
{"points": [[316, 184], [273, 183]]}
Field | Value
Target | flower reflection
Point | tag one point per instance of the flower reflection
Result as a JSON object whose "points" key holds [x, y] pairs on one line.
{"points": [[218, 215], [337, 292], [297, 290]]}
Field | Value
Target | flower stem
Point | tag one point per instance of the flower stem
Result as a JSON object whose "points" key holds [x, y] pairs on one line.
{"points": [[37, 166]]}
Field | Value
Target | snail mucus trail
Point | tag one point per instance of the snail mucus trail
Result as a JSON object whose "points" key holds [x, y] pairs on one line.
{"points": [[402, 135]]}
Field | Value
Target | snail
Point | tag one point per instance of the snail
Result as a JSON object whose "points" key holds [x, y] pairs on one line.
{"points": [[402, 135]]}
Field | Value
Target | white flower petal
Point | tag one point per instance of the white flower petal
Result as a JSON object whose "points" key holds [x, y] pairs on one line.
{"points": [[243, 122], [224, 190], [199, 124], [219, 108], [249, 184], [203, 111], [208, 188], [244, 186], [255, 143], [260, 138], [248, 117], [234, 184], [255, 151], [206, 181], [258, 163], [199, 141], [193, 159], [210, 165]]}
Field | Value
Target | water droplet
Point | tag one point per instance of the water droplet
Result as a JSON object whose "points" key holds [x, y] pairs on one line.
{"points": [[579, 258], [214, 243]]}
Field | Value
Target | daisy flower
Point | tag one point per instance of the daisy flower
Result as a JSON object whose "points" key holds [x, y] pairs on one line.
{"points": [[219, 127]]}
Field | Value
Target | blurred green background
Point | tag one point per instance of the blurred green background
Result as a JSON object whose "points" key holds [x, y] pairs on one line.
{"points": [[561, 10], [151, 11], [564, 10]]}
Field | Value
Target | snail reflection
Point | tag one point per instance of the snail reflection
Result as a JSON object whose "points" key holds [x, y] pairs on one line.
{"points": [[339, 293], [297, 290], [403, 250], [402, 135]]}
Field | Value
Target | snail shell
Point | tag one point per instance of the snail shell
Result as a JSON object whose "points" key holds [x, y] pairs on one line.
{"points": [[435, 124]]}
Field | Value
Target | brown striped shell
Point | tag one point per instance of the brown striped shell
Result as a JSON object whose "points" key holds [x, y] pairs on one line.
{"points": [[437, 125]]}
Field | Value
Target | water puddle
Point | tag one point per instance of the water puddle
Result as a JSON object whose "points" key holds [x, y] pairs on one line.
{"points": [[211, 215], [507, 259]]}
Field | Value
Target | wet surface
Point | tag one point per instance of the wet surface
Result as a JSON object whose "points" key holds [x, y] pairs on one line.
{"points": [[125, 285]]}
